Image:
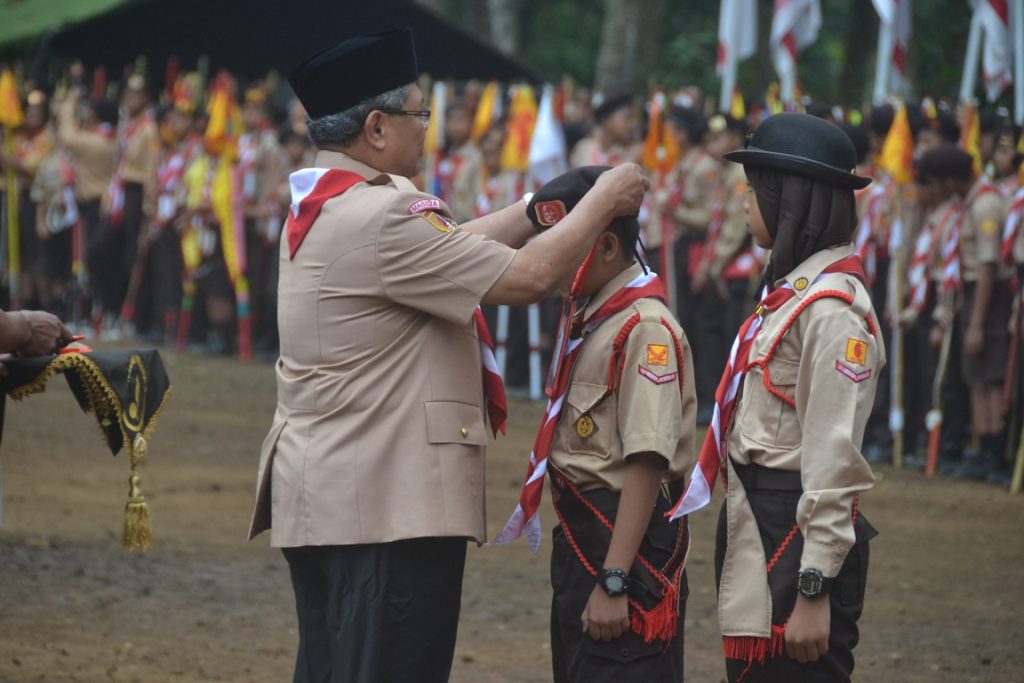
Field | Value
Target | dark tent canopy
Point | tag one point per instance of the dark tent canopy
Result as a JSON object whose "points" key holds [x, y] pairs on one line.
{"points": [[252, 37]]}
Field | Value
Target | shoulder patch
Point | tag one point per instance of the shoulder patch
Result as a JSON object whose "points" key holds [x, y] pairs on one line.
{"points": [[657, 354], [989, 226], [656, 378], [856, 350], [430, 204], [550, 212], [442, 223], [856, 377]]}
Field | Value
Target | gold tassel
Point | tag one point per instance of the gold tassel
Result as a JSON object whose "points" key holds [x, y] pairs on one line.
{"points": [[136, 517]]}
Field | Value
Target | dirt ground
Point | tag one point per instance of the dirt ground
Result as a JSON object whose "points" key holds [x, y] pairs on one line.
{"points": [[944, 602]]}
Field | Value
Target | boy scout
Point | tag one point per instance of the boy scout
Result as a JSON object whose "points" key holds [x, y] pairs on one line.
{"points": [[984, 309], [618, 446], [791, 557], [372, 474]]}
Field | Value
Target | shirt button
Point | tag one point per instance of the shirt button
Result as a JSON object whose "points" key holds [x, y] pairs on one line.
{"points": [[624, 652], [464, 431]]}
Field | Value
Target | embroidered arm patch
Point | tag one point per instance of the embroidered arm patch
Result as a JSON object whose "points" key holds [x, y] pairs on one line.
{"points": [[442, 223], [421, 205], [856, 377], [856, 351], [657, 354], [656, 378]]}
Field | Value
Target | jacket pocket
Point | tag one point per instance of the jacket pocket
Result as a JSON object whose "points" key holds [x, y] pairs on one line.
{"points": [[767, 418], [455, 422], [589, 419]]}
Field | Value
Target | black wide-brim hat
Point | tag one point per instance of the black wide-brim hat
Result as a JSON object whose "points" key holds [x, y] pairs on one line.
{"points": [[806, 145], [355, 70]]}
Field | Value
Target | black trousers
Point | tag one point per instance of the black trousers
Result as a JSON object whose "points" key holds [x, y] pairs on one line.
{"points": [[377, 613], [111, 252], [777, 514]]}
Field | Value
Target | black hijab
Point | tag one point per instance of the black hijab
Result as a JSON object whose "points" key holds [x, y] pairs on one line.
{"points": [[803, 216]]}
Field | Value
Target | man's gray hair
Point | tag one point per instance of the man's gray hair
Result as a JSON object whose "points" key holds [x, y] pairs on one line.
{"points": [[343, 128]]}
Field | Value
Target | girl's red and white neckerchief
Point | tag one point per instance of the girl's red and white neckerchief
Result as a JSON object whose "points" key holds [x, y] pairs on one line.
{"points": [[526, 516]]}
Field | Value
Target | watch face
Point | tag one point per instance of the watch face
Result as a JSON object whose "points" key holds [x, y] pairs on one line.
{"points": [[614, 584], [809, 583]]}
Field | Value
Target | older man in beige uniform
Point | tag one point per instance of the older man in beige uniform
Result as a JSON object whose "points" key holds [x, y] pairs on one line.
{"points": [[372, 475]]}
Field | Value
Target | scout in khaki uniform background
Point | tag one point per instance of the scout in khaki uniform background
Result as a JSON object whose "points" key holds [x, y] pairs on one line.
{"points": [[372, 474], [983, 309], [791, 556], [613, 139], [619, 451]]}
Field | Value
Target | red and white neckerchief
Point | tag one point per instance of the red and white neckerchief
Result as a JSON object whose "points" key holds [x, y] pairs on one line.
{"points": [[1012, 226], [865, 238], [951, 276], [168, 178], [714, 453], [924, 253], [115, 190], [526, 517], [311, 188]]}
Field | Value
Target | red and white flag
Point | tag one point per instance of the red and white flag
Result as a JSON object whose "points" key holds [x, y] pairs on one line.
{"points": [[795, 25], [900, 16], [997, 54], [743, 39]]}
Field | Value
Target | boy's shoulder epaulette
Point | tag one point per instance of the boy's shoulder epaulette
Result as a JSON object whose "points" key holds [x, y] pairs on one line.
{"points": [[851, 293]]}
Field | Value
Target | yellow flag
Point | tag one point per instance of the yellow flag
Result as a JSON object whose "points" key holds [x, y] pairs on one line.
{"points": [[898, 149], [10, 104], [485, 111], [661, 151], [522, 117], [225, 124], [737, 108], [970, 133]]}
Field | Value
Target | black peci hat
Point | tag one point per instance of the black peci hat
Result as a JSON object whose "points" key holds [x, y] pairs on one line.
{"points": [[355, 70], [806, 145]]}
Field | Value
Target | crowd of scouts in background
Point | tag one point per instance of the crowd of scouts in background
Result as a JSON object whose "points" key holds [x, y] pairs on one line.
{"points": [[123, 211]]}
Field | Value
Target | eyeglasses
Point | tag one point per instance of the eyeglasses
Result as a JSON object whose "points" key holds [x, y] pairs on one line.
{"points": [[422, 114]]}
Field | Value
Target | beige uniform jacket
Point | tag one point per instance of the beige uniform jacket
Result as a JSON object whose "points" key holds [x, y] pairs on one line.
{"points": [[141, 156], [379, 430], [701, 177], [466, 182], [981, 233], [820, 438], [263, 164], [734, 222], [93, 153], [654, 409]]}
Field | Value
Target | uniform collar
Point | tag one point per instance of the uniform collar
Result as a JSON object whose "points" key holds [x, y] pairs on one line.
{"points": [[803, 276], [328, 159], [612, 286]]}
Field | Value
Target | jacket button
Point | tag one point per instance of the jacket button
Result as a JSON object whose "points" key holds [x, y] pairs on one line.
{"points": [[624, 652], [464, 431]]}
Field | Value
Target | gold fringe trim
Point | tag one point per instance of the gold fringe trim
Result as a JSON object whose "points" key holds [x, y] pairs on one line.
{"points": [[137, 532]]}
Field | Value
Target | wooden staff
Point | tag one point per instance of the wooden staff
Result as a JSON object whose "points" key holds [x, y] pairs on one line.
{"points": [[896, 409], [933, 421]]}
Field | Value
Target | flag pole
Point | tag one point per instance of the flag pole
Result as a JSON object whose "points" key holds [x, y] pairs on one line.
{"points": [[896, 409], [728, 16], [970, 76], [13, 229], [883, 68], [1018, 61]]}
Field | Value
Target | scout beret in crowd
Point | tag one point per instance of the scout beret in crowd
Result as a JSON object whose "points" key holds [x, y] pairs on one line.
{"points": [[355, 70], [945, 163], [805, 145], [610, 105], [558, 197]]}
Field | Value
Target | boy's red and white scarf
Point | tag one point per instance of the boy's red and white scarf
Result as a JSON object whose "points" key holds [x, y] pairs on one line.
{"points": [[311, 188], [1012, 226], [526, 517], [713, 454], [115, 190], [924, 251]]}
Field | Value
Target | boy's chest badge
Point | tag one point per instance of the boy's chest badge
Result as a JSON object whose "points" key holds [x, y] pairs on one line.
{"points": [[585, 426]]}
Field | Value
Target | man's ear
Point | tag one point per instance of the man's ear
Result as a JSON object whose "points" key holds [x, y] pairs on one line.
{"points": [[373, 130]]}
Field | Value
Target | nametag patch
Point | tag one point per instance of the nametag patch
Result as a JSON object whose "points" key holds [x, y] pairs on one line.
{"points": [[656, 378], [425, 205], [442, 223], [852, 375], [657, 354], [856, 351], [549, 213]]}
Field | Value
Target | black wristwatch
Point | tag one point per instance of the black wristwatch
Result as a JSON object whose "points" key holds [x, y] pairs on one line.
{"points": [[615, 582], [811, 583]]}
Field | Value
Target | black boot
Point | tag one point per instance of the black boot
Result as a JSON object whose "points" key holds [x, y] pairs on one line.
{"points": [[976, 466], [999, 469]]}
